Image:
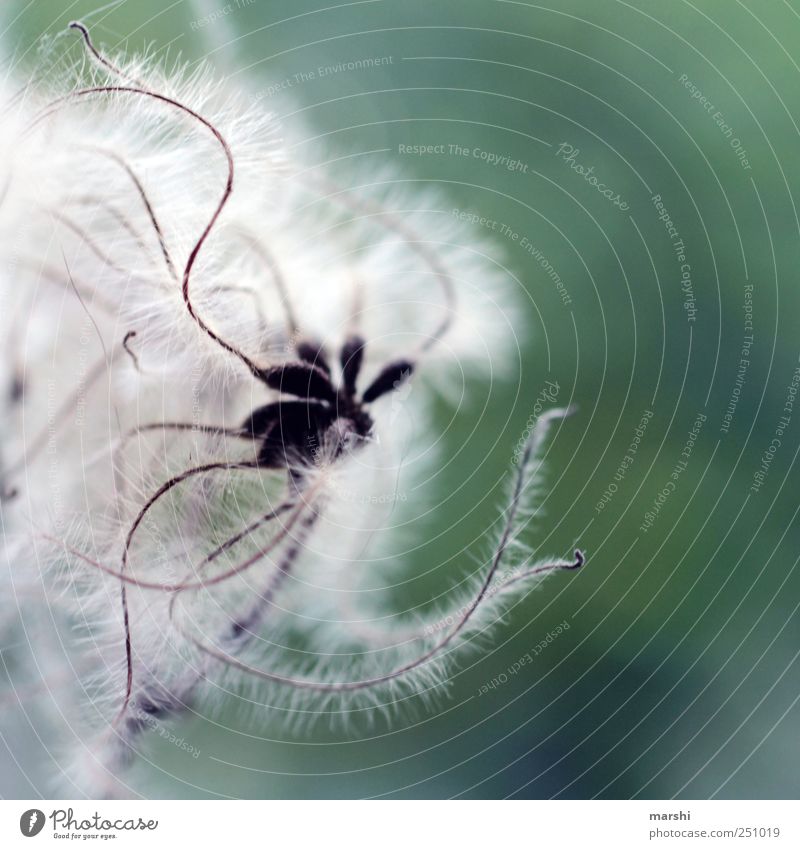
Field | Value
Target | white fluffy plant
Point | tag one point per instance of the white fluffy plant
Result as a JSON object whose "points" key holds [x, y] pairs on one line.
{"points": [[166, 273]]}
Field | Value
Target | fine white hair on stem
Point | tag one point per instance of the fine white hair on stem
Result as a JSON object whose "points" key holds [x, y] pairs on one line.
{"points": [[466, 620], [173, 280]]}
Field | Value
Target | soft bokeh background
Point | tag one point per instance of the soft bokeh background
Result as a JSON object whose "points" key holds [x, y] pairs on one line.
{"points": [[678, 675]]}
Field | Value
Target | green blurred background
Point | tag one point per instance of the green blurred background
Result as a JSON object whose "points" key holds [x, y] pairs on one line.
{"points": [[678, 675]]}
